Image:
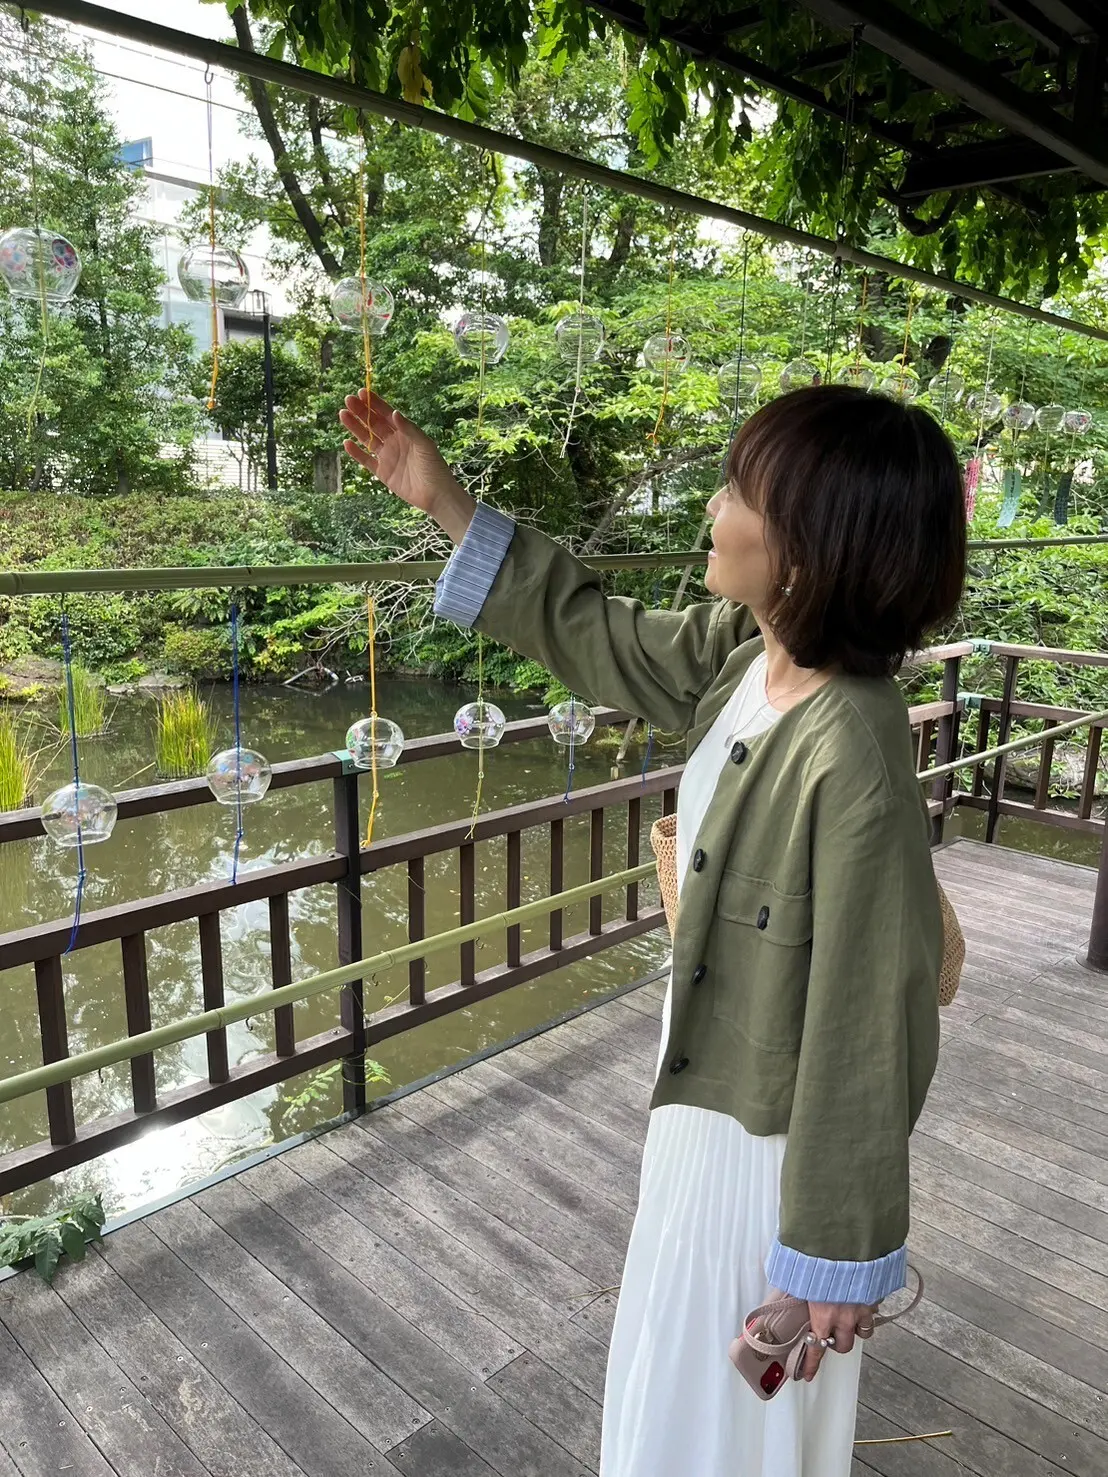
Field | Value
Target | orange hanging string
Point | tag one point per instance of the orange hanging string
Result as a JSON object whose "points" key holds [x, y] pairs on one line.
{"points": [[367, 338], [371, 646], [861, 318], [669, 327]]}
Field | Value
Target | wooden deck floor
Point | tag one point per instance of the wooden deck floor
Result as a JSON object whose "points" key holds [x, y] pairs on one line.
{"points": [[420, 1293]]}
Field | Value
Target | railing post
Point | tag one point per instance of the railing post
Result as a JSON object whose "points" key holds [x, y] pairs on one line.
{"points": [[1097, 957], [348, 844], [1004, 733], [947, 744]]}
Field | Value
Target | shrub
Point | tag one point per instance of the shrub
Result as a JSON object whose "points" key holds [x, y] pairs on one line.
{"points": [[202, 653], [90, 705], [185, 735], [17, 766]]}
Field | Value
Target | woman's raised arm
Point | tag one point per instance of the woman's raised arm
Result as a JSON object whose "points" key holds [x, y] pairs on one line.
{"points": [[525, 590]]}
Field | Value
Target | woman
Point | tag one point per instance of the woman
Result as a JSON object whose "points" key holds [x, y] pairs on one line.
{"points": [[800, 1029]]}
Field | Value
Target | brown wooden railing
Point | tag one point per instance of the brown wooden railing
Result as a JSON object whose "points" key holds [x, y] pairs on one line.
{"points": [[940, 740]]}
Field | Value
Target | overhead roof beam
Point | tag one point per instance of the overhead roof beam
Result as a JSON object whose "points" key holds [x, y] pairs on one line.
{"points": [[704, 46], [935, 60], [974, 166], [1031, 19], [318, 84]]}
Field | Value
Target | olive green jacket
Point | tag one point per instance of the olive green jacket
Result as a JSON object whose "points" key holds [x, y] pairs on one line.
{"points": [[806, 959]]}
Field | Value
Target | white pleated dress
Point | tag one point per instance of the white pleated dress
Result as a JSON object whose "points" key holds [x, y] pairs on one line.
{"points": [[674, 1404]]}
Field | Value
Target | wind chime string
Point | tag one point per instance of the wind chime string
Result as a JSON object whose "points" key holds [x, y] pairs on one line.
{"points": [[31, 75], [655, 433], [67, 657], [975, 465], [481, 722], [239, 828], [861, 318], [580, 312], [572, 747], [209, 77]]}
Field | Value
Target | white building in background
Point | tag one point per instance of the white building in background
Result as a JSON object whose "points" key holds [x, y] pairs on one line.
{"points": [[168, 192]]}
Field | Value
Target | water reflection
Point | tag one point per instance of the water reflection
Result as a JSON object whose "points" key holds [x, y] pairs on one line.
{"points": [[184, 848]]}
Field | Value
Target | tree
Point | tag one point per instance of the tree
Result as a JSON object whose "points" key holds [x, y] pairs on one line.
{"points": [[697, 62], [93, 396]]}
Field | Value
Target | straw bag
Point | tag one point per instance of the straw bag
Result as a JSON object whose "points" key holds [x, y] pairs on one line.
{"points": [[663, 839]]}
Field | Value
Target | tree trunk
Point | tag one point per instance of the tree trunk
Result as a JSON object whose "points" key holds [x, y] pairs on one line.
{"points": [[326, 463], [550, 222]]}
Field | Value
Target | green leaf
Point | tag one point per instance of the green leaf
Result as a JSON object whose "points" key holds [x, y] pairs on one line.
{"points": [[73, 1242], [47, 1255]]}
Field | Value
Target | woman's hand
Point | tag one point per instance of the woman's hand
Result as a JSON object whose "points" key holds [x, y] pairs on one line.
{"points": [[841, 1321], [406, 460]]}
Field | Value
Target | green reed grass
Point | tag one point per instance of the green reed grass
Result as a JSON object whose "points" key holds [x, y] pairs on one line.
{"points": [[90, 705], [185, 737], [18, 765]]}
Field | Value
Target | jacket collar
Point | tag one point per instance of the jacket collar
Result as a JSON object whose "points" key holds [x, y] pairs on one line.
{"points": [[714, 701]]}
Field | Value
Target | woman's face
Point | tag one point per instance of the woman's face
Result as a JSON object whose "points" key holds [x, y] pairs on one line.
{"points": [[738, 562]]}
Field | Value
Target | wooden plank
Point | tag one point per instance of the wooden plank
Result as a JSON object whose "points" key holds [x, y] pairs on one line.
{"points": [[950, 1096], [467, 910], [460, 1194], [41, 1435], [54, 1036], [113, 1410], [417, 929], [987, 1407], [136, 991], [544, 1247], [508, 1106], [315, 1436], [434, 1451], [280, 949], [373, 1337], [596, 869], [557, 873], [582, 1085], [465, 1334], [554, 1405], [470, 1273], [222, 1433], [213, 1249], [914, 1459], [513, 892], [982, 1442], [211, 972], [1091, 774], [951, 1153]]}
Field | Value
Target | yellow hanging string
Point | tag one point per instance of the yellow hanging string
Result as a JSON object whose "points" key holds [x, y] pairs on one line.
{"points": [[908, 328], [371, 647], [480, 732], [861, 318], [669, 326], [211, 244], [367, 337], [31, 77], [484, 339]]}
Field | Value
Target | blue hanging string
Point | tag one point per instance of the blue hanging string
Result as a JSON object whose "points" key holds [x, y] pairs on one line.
{"points": [[238, 740], [67, 652], [572, 748]]}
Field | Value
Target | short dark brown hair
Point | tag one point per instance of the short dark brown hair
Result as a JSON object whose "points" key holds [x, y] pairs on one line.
{"points": [[865, 524]]}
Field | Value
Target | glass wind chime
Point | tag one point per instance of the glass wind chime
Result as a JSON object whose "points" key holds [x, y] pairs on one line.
{"points": [[78, 814], [579, 337], [238, 776], [799, 373]]}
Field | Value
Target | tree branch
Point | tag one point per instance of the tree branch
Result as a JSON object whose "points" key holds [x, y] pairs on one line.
{"points": [[635, 484], [315, 126], [263, 107]]}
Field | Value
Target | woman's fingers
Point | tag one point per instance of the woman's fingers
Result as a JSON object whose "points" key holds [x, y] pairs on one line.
{"points": [[358, 453], [368, 429]]}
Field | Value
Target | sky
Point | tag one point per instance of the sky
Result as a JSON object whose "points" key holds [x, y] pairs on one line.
{"points": [[177, 124]]}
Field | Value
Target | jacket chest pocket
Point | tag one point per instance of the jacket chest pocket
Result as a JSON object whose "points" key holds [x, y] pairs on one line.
{"points": [[763, 949]]}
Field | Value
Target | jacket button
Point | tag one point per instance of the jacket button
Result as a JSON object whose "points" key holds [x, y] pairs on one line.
{"points": [[763, 917], [678, 1064], [738, 752], [699, 974], [699, 858]]}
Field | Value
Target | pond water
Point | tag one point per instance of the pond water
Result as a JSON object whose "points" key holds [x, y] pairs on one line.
{"points": [[158, 853]]}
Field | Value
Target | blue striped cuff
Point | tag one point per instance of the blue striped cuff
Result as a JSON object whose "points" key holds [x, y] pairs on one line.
{"points": [[462, 588], [818, 1280]]}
